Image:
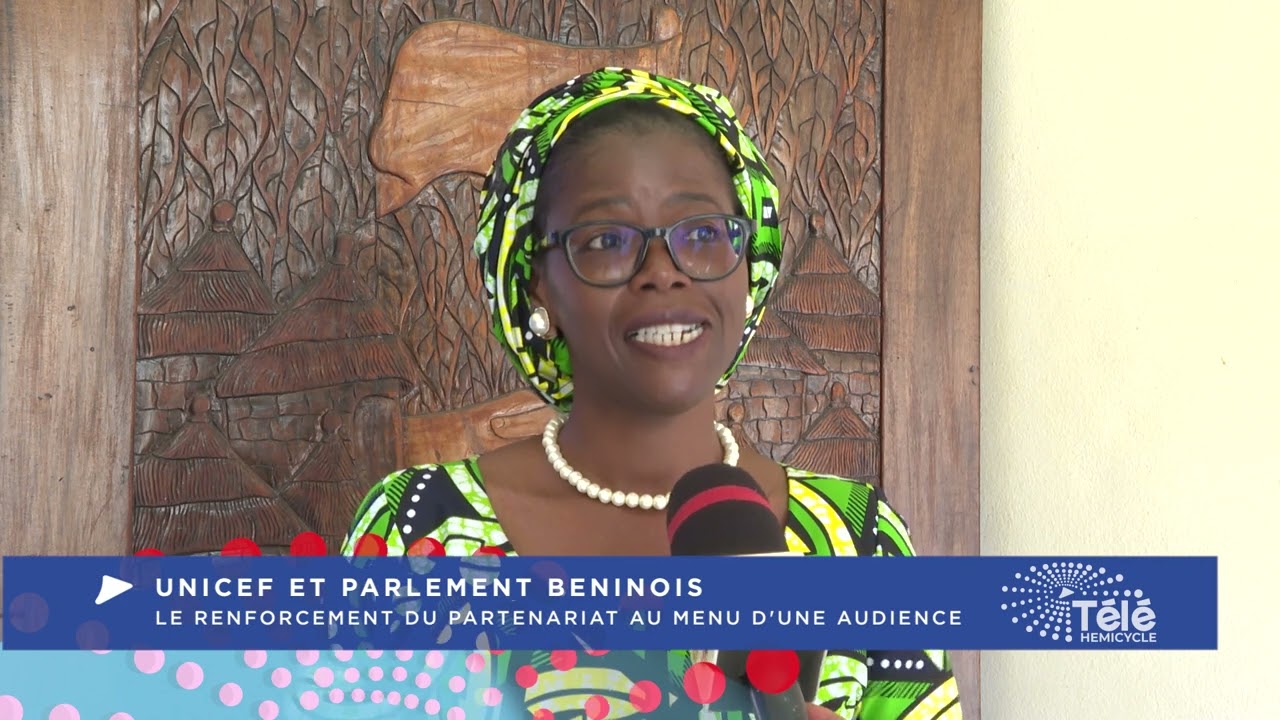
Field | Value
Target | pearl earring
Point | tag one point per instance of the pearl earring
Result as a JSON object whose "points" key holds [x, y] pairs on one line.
{"points": [[749, 305], [540, 322]]}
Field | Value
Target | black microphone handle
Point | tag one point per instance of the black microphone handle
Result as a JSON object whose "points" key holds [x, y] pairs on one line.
{"points": [[786, 705], [734, 664], [810, 673]]}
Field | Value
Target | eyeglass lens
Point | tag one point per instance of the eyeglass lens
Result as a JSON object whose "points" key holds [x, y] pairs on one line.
{"points": [[703, 248]]}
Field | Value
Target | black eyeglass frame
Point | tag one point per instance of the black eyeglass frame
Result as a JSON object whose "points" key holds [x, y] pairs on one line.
{"points": [[558, 237]]}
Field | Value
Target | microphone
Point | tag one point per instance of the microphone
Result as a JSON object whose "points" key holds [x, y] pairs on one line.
{"points": [[720, 510]]}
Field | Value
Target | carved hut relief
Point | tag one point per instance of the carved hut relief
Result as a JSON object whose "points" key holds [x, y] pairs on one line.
{"points": [[309, 175]]}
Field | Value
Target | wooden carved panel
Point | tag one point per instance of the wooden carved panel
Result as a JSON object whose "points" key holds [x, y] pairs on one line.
{"points": [[310, 312]]}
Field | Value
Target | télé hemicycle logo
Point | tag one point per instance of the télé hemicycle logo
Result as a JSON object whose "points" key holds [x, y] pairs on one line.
{"points": [[1075, 602]]}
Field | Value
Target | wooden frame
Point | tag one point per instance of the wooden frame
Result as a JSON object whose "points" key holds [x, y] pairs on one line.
{"points": [[68, 250], [932, 160], [68, 218]]}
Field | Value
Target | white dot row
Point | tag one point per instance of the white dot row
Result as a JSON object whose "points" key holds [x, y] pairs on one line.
{"points": [[408, 527], [899, 664]]}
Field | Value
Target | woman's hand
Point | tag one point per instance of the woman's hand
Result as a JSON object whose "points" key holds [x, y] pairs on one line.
{"points": [[817, 712]]}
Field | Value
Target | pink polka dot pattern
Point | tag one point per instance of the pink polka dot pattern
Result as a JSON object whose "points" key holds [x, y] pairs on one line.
{"points": [[423, 680], [526, 676], [351, 675], [343, 655], [268, 710], [10, 708], [92, 635], [404, 655], [189, 675], [645, 696], [336, 695], [148, 661], [230, 694], [399, 674], [323, 677], [357, 695], [374, 654], [308, 657], [375, 673], [309, 701], [281, 677], [64, 712], [375, 696], [255, 658], [457, 713], [564, 660], [121, 716], [435, 659], [393, 698], [492, 696], [28, 613], [457, 684], [475, 662], [432, 706], [597, 707], [411, 701]]}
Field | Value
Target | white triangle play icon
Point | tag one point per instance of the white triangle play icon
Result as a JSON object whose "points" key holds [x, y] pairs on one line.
{"points": [[111, 587], [1066, 593]]}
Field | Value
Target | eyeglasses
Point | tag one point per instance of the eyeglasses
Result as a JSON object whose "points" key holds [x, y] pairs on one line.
{"points": [[608, 254]]}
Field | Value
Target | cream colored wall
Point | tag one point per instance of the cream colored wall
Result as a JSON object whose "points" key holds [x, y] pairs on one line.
{"points": [[1131, 329]]}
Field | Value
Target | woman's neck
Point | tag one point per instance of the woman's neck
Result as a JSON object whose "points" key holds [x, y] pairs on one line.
{"points": [[645, 454]]}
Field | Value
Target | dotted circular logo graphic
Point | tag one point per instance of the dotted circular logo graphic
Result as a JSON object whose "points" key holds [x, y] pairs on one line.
{"points": [[1040, 599]]}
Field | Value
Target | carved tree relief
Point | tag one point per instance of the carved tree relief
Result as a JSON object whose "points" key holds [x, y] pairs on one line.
{"points": [[311, 315]]}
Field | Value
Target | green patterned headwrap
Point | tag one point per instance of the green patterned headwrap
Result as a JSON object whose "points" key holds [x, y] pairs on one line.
{"points": [[506, 240]]}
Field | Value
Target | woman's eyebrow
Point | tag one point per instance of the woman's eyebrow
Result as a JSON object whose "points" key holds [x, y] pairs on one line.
{"points": [[609, 201], [623, 201], [691, 196]]}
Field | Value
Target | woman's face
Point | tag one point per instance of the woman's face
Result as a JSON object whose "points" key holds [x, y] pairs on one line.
{"points": [[659, 342]]}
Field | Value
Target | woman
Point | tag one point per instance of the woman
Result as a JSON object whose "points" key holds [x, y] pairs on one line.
{"points": [[629, 238]]}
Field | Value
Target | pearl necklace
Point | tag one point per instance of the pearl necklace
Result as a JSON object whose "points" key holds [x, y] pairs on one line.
{"points": [[550, 443]]}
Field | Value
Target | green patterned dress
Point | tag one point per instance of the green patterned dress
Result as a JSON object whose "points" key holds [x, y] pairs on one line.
{"points": [[447, 504]]}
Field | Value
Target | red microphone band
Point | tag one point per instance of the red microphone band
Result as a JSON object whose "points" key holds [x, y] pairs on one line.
{"points": [[711, 496]]}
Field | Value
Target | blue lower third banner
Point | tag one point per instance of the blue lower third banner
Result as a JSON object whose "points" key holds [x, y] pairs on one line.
{"points": [[613, 603]]}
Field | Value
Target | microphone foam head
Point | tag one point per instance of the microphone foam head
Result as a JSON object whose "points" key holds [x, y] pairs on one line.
{"points": [[720, 510]]}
